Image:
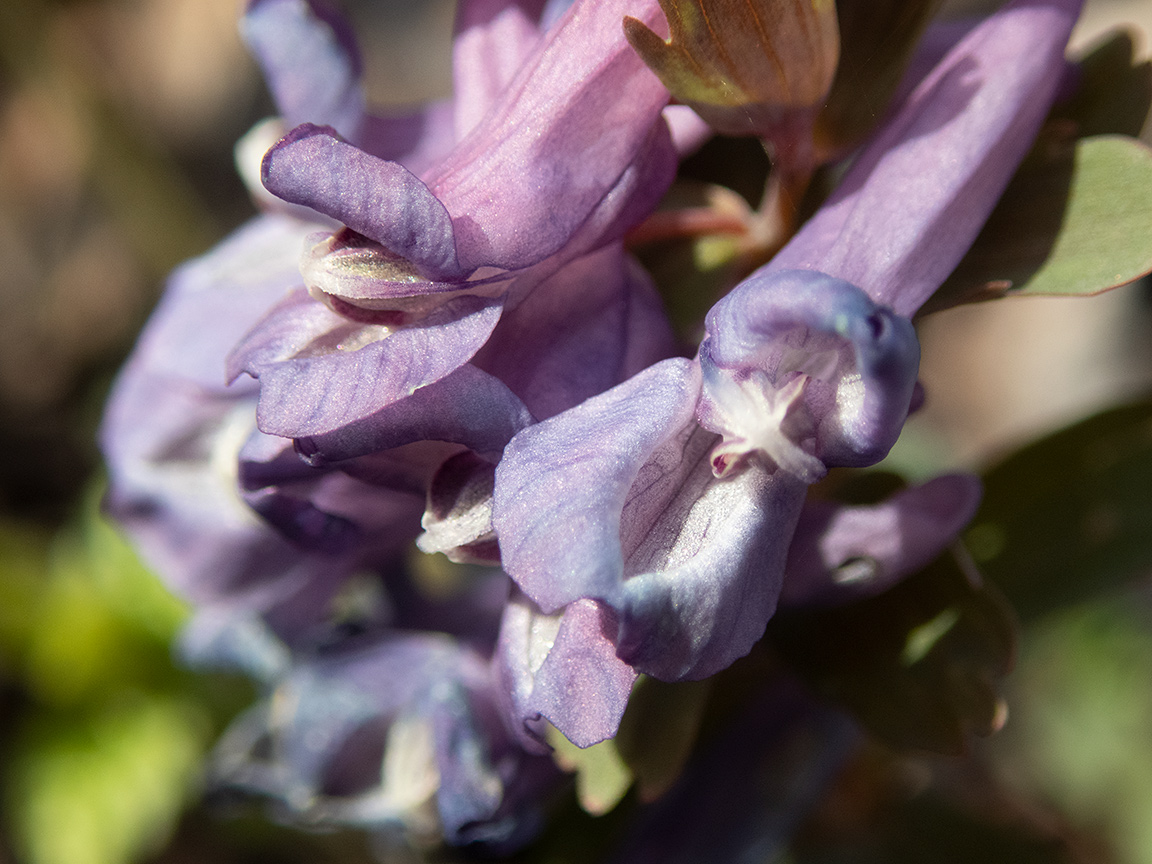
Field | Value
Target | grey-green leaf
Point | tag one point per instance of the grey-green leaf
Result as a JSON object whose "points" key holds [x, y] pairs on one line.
{"points": [[1075, 220]]}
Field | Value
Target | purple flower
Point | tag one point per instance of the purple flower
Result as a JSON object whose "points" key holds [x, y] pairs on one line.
{"points": [[554, 168], [396, 733], [680, 490], [465, 356]]}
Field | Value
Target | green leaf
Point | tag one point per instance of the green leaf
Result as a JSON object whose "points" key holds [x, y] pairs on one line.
{"points": [[659, 730], [1070, 516], [105, 789], [22, 565], [916, 665], [1075, 220], [602, 778]]}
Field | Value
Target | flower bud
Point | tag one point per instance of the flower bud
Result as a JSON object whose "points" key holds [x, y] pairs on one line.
{"points": [[748, 67]]}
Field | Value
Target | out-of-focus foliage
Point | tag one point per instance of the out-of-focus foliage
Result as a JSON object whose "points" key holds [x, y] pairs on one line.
{"points": [[917, 665], [1069, 223], [1082, 710], [1070, 516], [106, 748]]}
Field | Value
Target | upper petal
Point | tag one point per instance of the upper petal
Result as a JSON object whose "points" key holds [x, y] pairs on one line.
{"points": [[493, 39], [562, 484], [310, 61], [807, 370], [558, 140], [918, 194], [381, 200]]}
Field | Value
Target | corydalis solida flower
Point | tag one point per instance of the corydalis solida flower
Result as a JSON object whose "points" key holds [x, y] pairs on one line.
{"points": [[801, 368], [467, 335]]}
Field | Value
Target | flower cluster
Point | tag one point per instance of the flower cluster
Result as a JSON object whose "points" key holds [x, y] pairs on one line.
{"points": [[435, 337]]}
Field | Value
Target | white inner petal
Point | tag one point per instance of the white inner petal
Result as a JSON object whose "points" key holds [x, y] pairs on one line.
{"points": [[756, 416]]}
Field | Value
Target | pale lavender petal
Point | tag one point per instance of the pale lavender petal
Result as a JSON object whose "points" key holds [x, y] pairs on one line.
{"points": [[169, 448], [309, 59], [636, 193], [582, 687], [211, 301], [556, 143], [915, 199], [324, 510], [587, 328], [370, 735], [493, 39], [382, 200], [689, 131], [806, 370], [842, 553], [615, 501], [562, 484], [173, 430], [468, 407], [320, 371], [526, 636], [704, 560], [563, 668], [417, 139], [221, 639]]}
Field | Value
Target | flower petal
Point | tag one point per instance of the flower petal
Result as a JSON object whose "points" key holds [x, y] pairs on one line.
{"points": [[310, 61], [918, 194], [587, 328], [559, 140], [843, 553], [382, 200], [807, 370], [320, 371], [704, 564], [493, 39], [563, 483], [563, 668]]}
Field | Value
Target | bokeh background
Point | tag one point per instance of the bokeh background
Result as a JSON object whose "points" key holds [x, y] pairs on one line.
{"points": [[117, 122]]}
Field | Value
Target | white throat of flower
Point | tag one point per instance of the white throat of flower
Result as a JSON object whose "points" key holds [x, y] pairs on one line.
{"points": [[757, 414], [757, 417]]}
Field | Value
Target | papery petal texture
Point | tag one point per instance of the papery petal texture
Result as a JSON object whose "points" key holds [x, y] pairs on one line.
{"points": [[310, 61], [468, 407], [842, 553], [918, 194], [320, 371], [382, 200], [562, 484], [561, 668], [807, 370], [558, 134], [615, 501], [493, 39], [594, 323], [173, 429]]}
